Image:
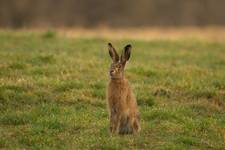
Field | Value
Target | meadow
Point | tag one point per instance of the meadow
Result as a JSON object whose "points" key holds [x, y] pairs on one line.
{"points": [[53, 89]]}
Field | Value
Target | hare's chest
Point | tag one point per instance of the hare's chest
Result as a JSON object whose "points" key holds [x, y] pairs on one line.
{"points": [[117, 93]]}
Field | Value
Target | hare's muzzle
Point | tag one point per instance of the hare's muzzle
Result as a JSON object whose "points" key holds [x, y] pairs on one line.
{"points": [[112, 72]]}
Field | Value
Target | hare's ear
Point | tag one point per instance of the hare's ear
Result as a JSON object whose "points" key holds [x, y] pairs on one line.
{"points": [[113, 53], [126, 53]]}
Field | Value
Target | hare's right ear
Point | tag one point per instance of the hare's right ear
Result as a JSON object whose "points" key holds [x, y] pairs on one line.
{"points": [[126, 53], [113, 53]]}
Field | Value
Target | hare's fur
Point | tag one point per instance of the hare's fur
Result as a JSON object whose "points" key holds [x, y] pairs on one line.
{"points": [[124, 115]]}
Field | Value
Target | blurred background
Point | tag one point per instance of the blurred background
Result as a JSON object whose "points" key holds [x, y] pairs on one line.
{"points": [[111, 13]]}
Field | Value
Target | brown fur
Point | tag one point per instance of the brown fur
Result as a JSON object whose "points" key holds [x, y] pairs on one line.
{"points": [[124, 116]]}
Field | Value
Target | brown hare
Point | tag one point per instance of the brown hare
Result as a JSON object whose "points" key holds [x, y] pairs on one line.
{"points": [[124, 115]]}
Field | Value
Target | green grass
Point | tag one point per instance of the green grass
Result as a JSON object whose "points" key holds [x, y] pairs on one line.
{"points": [[52, 93]]}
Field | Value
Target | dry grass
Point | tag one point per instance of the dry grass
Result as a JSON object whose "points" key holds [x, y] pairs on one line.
{"points": [[207, 33], [213, 33]]}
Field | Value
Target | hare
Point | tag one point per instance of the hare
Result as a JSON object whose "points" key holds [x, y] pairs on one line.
{"points": [[123, 112]]}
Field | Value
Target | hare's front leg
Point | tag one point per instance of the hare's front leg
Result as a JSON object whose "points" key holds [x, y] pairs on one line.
{"points": [[114, 121], [111, 123]]}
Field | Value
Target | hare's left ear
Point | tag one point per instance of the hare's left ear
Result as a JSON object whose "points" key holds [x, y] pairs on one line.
{"points": [[126, 53], [113, 54]]}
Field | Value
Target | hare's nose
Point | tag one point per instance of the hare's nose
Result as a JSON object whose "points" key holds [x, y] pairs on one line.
{"points": [[111, 72]]}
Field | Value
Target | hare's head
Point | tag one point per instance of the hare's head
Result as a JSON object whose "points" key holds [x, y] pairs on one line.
{"points": [[116, 70]]}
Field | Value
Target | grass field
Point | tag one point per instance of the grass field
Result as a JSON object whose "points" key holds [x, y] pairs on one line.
{"points": [[52, 92]]}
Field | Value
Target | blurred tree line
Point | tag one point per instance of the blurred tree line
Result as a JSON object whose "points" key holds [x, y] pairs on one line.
{"points": [[115, 13]]}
